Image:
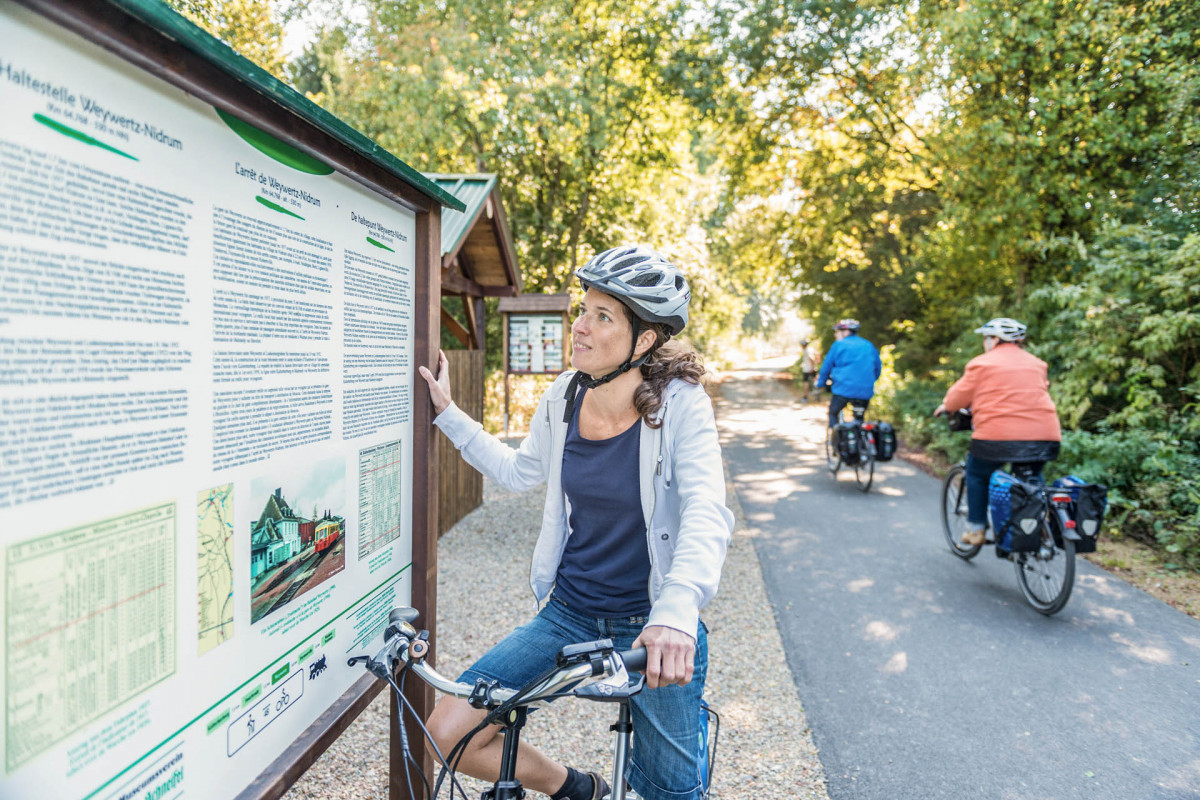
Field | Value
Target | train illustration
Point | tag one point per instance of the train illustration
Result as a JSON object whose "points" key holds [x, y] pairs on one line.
{"points": [[327, 533]]}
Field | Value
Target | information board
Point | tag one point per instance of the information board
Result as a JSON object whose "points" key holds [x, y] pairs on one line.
{"points": [[535, 343], [206, 425]]}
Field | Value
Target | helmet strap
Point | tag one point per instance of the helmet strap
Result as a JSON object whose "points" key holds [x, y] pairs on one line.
{"points": [[588, 382]]}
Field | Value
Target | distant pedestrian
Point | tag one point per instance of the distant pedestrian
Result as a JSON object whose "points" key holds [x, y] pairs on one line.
{"points": [[808, 368]]}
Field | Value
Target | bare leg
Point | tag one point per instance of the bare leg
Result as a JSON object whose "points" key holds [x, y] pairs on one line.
{"points": [[453, 718]]}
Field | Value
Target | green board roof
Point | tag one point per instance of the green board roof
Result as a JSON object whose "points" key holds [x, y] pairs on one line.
{"points": [[472, 191], [171, 24]]}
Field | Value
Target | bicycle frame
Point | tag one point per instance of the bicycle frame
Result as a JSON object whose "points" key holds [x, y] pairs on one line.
{"points": [[405, 647], [1034, 570]]}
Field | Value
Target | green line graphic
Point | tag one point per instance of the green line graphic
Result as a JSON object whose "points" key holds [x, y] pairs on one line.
{"points": [[276, 207], [380, 245], [267, 144], [80, 135]]}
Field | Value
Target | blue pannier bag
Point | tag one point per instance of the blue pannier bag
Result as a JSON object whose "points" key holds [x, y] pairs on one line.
{"points": [[1089, 501], [1018, 510], [998, 494]]}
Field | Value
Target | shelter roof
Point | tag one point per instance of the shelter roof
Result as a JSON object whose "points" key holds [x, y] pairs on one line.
{"points": [[477, 239]]}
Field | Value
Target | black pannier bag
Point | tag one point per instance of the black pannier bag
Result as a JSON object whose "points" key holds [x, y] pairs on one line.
{"points": [[847, 435], [1089, 502], [885, 441], [1027, 514]]}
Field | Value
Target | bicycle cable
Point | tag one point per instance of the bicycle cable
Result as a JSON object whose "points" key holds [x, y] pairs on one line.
{"points": [[408, 758], [405, 704]]}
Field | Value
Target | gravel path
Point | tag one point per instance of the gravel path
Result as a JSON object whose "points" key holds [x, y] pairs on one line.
{"points": [[766, 750]]}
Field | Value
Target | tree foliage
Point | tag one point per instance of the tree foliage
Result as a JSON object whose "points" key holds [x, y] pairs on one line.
{"points": [[250, 27], [927, 166], [920, 166]]}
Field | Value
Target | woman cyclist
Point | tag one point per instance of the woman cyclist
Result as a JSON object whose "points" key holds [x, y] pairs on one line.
{"points": [[634, 531], [1014, 418]]}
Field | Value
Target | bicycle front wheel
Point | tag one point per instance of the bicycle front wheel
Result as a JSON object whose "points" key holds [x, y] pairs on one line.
{"points": [[864, 468], [954, 512], [1047, 576], [833, 459]]}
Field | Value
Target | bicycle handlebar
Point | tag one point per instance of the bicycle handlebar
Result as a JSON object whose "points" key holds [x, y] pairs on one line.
{"points": [[403, 643]]}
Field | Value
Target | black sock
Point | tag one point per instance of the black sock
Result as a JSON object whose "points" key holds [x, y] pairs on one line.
{"points": [[578, 786]]}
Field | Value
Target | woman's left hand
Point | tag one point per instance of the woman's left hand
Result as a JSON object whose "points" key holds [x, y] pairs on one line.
{"points": [[439, 387], [670, 656]]}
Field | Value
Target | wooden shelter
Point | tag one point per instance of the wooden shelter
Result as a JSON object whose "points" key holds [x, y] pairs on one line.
{"points": [[478, 256], [478, 261]]}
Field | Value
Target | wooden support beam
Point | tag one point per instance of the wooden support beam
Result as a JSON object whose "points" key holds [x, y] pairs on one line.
{"points": [[456, 329], [468, 304], [453, 282], [481, 322]]}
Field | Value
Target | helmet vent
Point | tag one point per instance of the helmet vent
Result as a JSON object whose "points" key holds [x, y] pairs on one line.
{"points": [[645, 279]]}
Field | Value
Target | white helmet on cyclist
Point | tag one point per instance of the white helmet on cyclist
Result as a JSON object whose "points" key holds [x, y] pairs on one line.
{"points": [[847, 324], [653, 288], [1004, 329]]}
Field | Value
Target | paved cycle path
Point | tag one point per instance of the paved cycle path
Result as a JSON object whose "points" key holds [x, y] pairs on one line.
{"points": [[927, 677]]}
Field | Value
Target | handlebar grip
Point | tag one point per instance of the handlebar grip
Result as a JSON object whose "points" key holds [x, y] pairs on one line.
{"points": [[635, 660]]}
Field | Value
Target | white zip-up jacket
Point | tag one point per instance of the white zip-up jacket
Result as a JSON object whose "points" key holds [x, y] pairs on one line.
{"points": [[682, 486]]}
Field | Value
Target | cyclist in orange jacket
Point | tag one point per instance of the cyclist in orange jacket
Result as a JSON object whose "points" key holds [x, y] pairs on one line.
{"points": [[1014, 418]]}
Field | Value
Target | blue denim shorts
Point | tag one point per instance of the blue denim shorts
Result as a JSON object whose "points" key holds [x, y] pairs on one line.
{"points": [[666, 758]]}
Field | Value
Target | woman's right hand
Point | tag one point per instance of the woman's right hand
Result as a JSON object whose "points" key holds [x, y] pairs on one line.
{"points": [[941, 409], [439, 387]]}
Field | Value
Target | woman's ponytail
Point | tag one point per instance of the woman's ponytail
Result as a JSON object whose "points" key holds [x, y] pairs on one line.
{"points": [[668, 361]]}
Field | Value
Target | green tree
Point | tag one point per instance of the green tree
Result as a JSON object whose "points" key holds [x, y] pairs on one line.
{"points": [[576, 105]]}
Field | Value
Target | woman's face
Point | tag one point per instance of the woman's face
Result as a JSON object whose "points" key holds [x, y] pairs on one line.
{"points": [[601, 335]]}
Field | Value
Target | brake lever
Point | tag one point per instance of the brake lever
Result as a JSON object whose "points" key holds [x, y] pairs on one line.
{"points": [[383, 663], [607, 691], [616, 687]]}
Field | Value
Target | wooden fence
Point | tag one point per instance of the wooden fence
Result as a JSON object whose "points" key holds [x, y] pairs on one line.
{"points": [[460, 486]]}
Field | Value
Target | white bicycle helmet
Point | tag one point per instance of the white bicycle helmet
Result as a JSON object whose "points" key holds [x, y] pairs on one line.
{"points": [[1004, 329], [653, 288]]}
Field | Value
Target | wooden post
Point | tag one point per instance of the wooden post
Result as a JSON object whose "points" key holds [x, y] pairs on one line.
{"points": [[566, 348], [504, 355], [427, 336]]}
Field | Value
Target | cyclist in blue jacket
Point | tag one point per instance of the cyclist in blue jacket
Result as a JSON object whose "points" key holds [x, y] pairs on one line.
{"points": [[853, 365]]}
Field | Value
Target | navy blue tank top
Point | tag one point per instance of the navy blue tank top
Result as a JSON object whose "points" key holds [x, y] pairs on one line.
{"points": [[605, 568]]}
